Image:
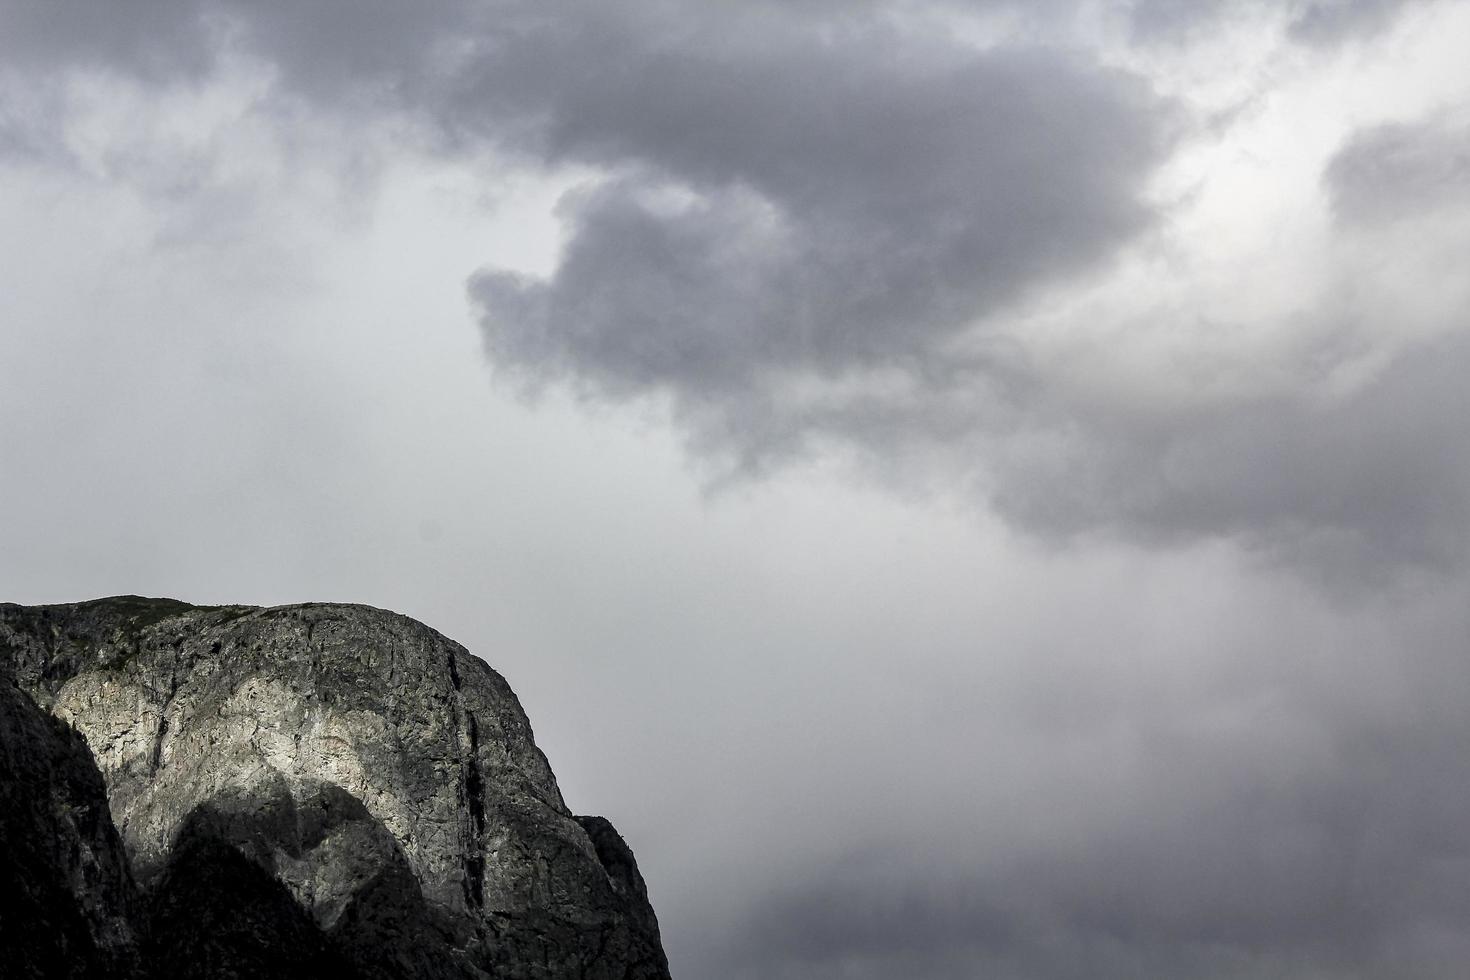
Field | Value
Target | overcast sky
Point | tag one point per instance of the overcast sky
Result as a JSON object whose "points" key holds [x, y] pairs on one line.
{"points": [[971, 489]]}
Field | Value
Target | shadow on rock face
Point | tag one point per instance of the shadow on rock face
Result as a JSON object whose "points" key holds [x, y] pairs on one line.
{"points": [[319, 878], [216, 913], [66, 894]]}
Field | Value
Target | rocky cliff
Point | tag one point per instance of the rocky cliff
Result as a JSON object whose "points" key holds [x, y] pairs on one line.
{"points": [[315, 790]]}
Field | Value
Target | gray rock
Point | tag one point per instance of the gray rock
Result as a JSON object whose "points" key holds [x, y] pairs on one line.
{"points": [[67, 900], [382, 776]]}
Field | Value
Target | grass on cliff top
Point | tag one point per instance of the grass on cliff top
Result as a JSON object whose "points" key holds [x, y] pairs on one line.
{"points": [[136, 614], [143, 612]]}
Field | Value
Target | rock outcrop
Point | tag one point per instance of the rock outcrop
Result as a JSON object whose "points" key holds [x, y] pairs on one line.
{"points": [[68, 898], [313, 790]]}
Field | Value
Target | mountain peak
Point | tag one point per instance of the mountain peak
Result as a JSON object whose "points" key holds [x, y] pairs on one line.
{"points": [[336, 773]]}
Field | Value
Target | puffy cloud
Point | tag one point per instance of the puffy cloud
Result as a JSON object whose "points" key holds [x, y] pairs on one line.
{"points": [[830, 225], [796, 206]]}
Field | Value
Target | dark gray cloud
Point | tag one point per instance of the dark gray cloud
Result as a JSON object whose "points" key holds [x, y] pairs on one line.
{"points": [[152, 38], [811, 186], [1332, 21], [794, 205], [1354, 486], [811, 222], [798, 201], [1154, 20], [1310, 22], [758, 245], [1401, 171], [321, 47], [350, 54], [1330, 848], [1358, 486]]}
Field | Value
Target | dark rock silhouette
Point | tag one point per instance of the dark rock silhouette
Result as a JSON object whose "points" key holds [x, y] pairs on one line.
{"points": [[69, 903]]}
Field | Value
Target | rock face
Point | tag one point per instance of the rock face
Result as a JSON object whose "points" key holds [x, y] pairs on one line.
{"points": [[69, 898], [316, 790]]}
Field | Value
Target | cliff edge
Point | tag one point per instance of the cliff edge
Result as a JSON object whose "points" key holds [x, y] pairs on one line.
{"points": [[311, 790]]}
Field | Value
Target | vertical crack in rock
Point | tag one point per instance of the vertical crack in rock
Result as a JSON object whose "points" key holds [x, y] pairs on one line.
{"points": [[474, 784], [158, 738], [474, 798]]}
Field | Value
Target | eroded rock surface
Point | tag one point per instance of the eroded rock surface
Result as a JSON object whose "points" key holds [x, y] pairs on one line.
{"points": [[67, 900], [355, 762]]}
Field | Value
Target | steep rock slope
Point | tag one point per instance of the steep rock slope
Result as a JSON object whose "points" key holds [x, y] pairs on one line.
{"points": [[68, 898], [348, 768]]}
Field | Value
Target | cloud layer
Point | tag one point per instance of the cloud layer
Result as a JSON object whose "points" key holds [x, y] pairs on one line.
{"points": [[1170, 297], [796, 206], [834, 227]]}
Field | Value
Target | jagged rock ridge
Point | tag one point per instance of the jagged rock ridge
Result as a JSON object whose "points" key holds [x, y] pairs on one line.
{"points": [[313, 790]]}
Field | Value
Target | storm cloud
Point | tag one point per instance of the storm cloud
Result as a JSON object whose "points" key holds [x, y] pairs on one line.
{"points": [[827, 238], [794, 206], [1145, 321], [829, 228]]}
